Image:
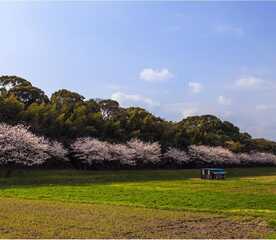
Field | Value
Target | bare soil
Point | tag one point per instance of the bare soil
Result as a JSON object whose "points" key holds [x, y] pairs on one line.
{"points": [[21, 218]]}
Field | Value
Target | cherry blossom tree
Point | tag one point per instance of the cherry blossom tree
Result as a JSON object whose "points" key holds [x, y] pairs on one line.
{"points": [[122, 153], [177, 156], [216, 155], [245, 158], [220, 155], [137, 153], [19, 146], [91, 150], [145, 153], [257, 158]]}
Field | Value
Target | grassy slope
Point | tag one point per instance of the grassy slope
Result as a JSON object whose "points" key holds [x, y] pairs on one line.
{"points": [[246, 192]]}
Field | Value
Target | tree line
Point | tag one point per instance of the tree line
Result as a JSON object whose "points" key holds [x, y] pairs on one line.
{"points": [[67, 116], [19, 147]]}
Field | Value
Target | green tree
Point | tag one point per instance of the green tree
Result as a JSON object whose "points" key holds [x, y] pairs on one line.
{"points": [[22, 90]]}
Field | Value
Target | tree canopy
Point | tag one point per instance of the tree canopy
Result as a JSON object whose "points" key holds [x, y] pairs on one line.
{"points": [[67, 115]]}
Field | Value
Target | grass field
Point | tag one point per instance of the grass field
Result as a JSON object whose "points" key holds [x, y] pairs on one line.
{"points": [[138, 204]]}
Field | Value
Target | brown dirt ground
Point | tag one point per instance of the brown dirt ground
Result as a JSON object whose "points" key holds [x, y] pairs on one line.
{"points": [[46, 219]]}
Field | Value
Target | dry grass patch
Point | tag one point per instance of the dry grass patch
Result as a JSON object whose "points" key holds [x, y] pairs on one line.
{"points": [[21, 218]]}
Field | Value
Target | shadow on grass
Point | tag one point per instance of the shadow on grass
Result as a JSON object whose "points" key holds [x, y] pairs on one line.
{"points": [[32, 178]]}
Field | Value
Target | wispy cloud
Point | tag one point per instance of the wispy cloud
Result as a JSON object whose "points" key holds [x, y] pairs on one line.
{"points": [[133, 99], [189, 111], [254, 83], [230, 29], [195, 87], [249, 82], [224, 100], [155, 75], [264, 107], [182, 110]]}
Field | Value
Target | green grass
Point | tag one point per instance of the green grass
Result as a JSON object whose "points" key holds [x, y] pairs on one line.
{"points": [[245, 192]]}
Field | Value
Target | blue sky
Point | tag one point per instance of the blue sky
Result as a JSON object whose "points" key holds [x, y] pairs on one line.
{"points": [[176, 59]]}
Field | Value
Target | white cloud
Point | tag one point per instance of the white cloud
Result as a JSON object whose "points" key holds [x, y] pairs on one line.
{"points": [[224, 100], [183, 110], [189, 111], [129, 99], [254, 83], [264, 107], [155, 75], [195, 87], [250, 82], [230, 29], [226, 114]]}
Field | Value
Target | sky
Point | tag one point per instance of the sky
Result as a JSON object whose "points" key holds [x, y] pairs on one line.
{"points": [[176, 59]]}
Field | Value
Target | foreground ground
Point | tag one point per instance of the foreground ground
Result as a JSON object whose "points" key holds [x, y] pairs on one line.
{"points": [[138, 204]]}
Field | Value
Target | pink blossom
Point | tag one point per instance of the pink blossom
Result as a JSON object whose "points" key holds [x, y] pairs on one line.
{"points": [[20, 146], [177, 155], [216, 155], [91, 150], [145, 152]]}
